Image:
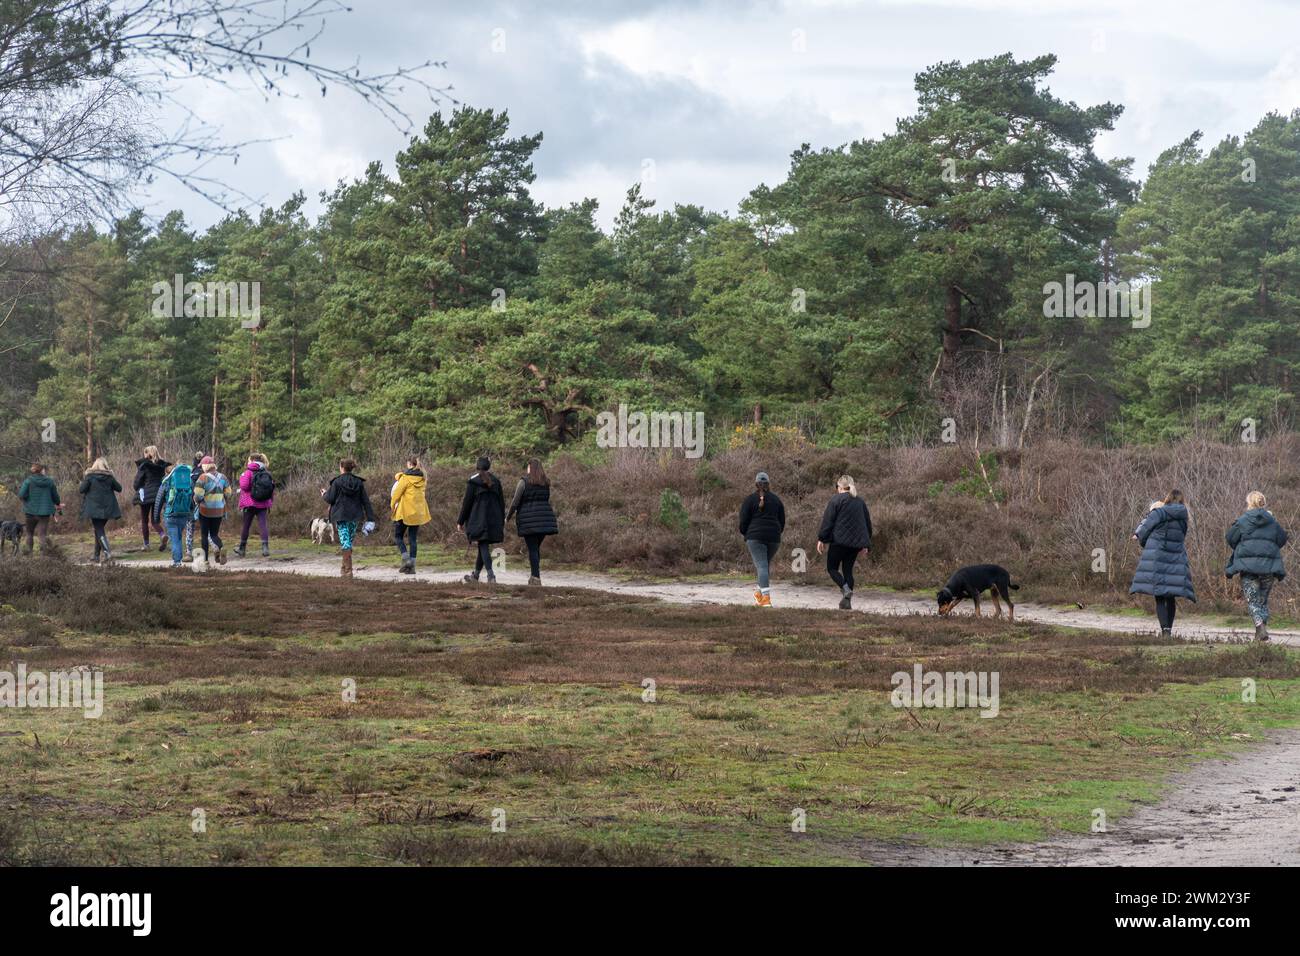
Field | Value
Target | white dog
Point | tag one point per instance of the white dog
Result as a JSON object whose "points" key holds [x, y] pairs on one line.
{"points": [[319, 529], [200, 564]]}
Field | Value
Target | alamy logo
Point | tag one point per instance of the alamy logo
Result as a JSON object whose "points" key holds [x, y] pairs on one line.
{"points": [[103, 909], [948, 689], [81, 688], [1105, 300], [683, 430], [179, 299]]}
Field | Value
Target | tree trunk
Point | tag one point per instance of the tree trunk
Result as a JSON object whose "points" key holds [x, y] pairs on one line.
{"points": [[951, 338]]}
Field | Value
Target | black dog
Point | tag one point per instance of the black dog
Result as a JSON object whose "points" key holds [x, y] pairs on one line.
{"points": [[970, 581], [11, 531]]}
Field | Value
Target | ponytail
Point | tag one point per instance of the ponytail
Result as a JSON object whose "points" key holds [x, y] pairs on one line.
{"points": [[846, 482], [762, 487]]}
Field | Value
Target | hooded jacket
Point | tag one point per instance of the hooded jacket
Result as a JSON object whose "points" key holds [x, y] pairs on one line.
{"points": [[483, 510], [246, 486], [1163, 569], [348, 499], [846, 522], [148, 476], [1256, 540], [40, 496], [532, 511], [99, 496], [407, 498]]}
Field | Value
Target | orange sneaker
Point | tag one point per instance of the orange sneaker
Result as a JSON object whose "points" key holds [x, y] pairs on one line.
{"points": [[764, 600], [758, 598]]}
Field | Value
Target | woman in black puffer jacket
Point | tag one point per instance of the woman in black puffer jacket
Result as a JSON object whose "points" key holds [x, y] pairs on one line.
{"points": [[533, 514], [762, 521], [149, 473], [845, 533]]}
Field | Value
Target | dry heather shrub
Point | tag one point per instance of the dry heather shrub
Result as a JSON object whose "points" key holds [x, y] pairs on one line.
{"points": [[109, 599]]}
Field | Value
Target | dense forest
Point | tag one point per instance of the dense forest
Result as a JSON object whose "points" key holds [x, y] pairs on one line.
{"points": [[884, 286]]}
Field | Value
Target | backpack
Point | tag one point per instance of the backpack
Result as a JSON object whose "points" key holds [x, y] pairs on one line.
{"points": [[262, 487], [180, 491]]}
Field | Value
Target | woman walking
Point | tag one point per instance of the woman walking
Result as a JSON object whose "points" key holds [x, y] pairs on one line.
{"points": [[762, 521], [99, 490], [149, 472], [1163, 571], [196, 469], [482, 517], [845, 533], [174, 503], [211, 489], [534, 517], [40, 498], [256, 496], [1257, 540], [410, 511], [349, 506]]}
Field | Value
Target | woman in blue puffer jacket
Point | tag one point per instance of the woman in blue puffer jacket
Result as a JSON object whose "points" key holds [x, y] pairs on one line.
{"points": [[1163, 570]]}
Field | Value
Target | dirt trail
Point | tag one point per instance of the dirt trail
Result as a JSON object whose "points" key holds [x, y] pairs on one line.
{"points": [[742, 593], [1240, 811]]}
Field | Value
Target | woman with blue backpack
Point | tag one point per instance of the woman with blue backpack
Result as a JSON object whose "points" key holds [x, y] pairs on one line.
{"points": [[256, 496], [174, 504]]}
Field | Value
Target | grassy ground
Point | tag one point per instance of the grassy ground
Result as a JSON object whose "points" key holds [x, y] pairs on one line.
{"points": [[470, 701]]}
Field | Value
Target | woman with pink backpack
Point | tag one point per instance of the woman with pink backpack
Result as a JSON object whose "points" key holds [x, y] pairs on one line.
{"points": [[256, 496]]}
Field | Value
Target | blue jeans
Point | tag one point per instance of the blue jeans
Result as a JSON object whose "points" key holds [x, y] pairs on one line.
{"points": [[762, 552], [175, 525]]}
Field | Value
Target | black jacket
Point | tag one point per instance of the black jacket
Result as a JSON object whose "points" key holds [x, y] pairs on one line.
{"points": [[148, 476], [99, 496], [483, 512], [531, 509], [1256, 540], [847, 522], [762, 525], [348, 499]]}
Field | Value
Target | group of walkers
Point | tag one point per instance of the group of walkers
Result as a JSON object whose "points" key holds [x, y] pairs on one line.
{"points": [[173, 498], [1163, 571], [1256, 539], [845, 532]]}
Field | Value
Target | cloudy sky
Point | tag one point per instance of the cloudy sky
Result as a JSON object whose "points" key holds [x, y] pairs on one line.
{"points": [[717, 93]]}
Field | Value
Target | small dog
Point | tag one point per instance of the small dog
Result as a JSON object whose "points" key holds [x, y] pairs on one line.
{"points": [[319, 528], [970, 581], [11, 531], [200, 564]]}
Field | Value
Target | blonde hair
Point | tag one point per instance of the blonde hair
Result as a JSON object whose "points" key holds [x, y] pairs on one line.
{"points": [[258, 456], [151, 452], [1256, 499], [99, 464], [846, 482], [209, 468]]}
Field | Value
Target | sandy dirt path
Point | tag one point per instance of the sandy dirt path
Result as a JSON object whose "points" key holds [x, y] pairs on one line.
{"points": [[1239, 811], [811, 595]]}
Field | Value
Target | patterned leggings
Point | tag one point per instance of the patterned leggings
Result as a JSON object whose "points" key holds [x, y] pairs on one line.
{"points": [[346, 530], [1255, 589]]}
